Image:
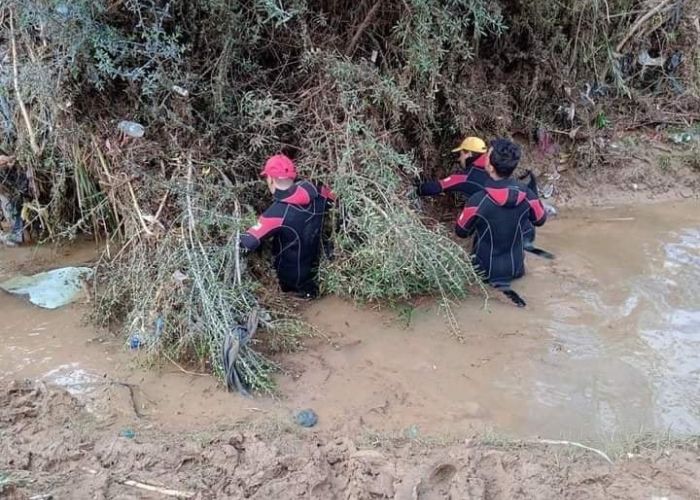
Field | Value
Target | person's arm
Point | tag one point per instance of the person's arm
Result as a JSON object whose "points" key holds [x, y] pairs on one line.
{"points": [[454, 182], [467, 219], [327, 193], [538, 215], [268, 224], [532, 182]]}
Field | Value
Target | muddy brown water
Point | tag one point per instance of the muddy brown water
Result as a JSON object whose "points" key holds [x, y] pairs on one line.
{"points": [[609, 345]]}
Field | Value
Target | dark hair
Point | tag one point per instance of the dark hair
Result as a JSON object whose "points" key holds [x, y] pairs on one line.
{"points": [[505, 156]]}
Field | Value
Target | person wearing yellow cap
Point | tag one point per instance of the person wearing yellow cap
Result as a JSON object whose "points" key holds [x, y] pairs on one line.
{"points": [[469, 178]]}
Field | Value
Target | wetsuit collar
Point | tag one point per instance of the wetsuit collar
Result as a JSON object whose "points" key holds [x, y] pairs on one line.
{"points": [[281, 194], [299, 193]]}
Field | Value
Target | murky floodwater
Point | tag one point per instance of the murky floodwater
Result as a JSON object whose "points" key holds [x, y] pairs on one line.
{"points": [[609, 344], [624, 324]]}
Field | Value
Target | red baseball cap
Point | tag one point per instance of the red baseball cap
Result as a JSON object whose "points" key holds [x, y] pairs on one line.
{"points": [[280, 167]]}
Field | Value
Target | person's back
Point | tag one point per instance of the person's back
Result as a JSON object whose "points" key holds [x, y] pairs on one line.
{"points": [[499, 215], [502, 215], [297, 245], [295, 222]]}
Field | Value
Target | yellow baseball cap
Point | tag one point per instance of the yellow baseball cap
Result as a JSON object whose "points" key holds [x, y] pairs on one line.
{"points": [[473, 144]]}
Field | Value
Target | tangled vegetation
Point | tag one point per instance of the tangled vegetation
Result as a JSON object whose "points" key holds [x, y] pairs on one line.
{"points": [[365, 95]]}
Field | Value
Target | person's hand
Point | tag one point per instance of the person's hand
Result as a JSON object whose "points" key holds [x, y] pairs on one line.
{"points": [[526, 174]]}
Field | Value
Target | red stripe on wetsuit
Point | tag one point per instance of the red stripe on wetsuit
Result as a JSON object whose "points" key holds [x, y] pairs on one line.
{"points": [[327, 193], [264, 226], [538, 209], [453, 180], [299, 197], [467, 214]]}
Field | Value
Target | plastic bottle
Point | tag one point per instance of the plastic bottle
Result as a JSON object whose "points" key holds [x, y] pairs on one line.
{"points": [[131, 129]]}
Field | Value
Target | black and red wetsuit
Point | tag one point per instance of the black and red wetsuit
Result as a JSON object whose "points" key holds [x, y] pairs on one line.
{"points": [[500, 215], [468, 181], [295, 220]]}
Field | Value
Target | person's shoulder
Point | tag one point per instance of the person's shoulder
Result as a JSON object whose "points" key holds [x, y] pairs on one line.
{"points": [[477, 197], [276, 209]]}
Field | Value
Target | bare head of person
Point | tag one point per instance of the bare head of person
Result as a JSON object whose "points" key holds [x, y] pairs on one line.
{"points": [[504, 156]]}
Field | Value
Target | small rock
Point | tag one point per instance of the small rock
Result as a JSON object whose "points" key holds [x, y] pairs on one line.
{"points": [[306, 418]]}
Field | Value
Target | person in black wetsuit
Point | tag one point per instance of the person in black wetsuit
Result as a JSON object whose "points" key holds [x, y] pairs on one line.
{"points": [[470, 177], [499, 215], [295, 221]]}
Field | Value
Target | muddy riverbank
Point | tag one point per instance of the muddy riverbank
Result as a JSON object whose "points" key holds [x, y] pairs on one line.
{"points": [[606, 349], [52, 447]]}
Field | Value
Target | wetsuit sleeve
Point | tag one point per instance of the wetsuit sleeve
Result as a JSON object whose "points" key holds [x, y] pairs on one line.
{"points": [[268, 224], [328, 195], [532, 181], [429, 188], [454, 182], [538, 215], [467, 219]]}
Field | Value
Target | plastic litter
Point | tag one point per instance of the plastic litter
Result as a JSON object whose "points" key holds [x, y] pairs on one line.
{"points": [[645, 59], [684, 137], [52, 289], [127, 433], [412, 432], [131, 129], [135, 341], [181, 91], [550, 209], [239, 336], [306, 418], [63, 10], [158, 326], [548, 191]]}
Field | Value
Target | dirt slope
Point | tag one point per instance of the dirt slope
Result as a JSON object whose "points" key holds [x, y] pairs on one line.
{"points": [[51, 446]]}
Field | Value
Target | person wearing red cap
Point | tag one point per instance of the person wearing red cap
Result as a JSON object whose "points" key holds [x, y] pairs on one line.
{"points": [[295, 222]]}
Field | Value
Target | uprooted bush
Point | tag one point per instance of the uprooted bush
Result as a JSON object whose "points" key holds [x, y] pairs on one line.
{"points": [[364, 95]]}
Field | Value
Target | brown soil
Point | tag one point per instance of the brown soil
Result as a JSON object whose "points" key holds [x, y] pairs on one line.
{"points": [[622, 168], [52, 446]]}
